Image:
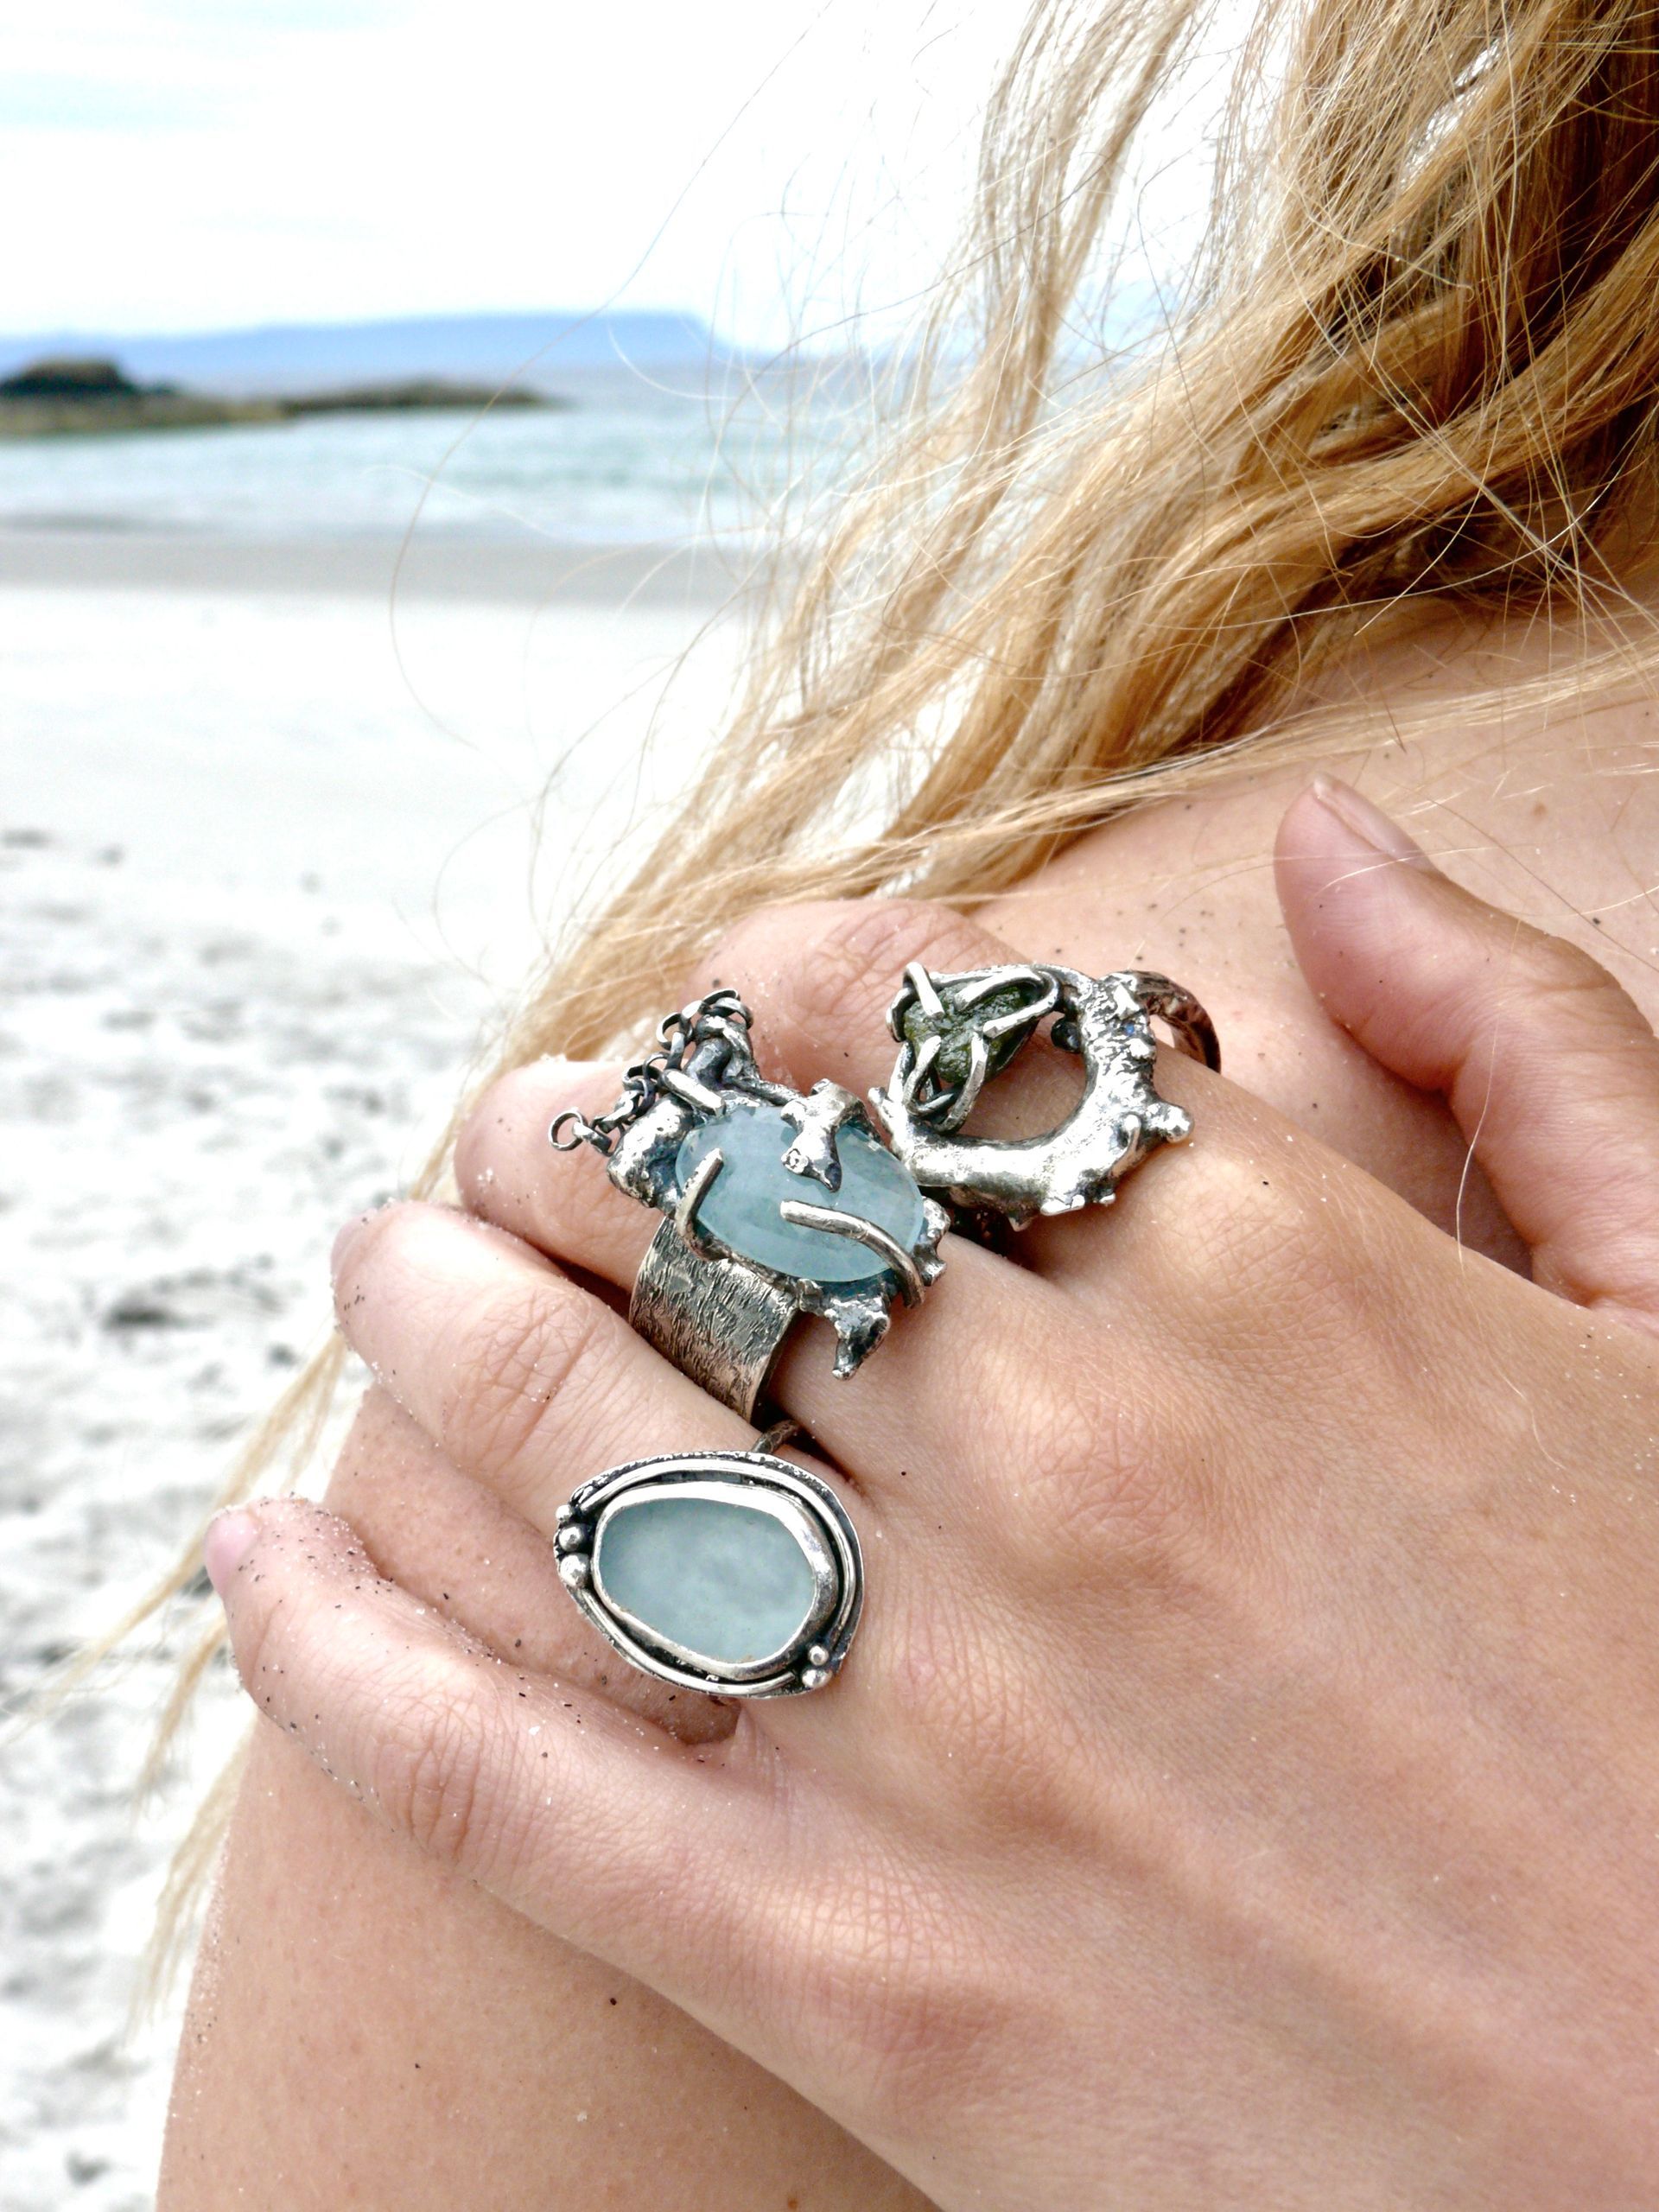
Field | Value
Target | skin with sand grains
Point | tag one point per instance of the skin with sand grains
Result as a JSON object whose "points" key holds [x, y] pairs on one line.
{"points": [[1232, 1553]]}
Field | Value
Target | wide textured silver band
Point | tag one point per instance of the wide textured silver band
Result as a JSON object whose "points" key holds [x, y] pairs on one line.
{"points": [[719, 1322]]}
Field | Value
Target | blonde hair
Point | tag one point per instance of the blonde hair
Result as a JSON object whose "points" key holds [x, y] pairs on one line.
{"points": [[1415, 355]]}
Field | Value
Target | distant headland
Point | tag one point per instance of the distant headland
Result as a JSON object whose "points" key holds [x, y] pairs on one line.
{"points": [[76, 395], [80, 381], [537, 351]]}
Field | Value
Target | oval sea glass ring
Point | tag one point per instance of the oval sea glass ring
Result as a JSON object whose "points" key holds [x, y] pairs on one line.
{"points": [[730, 1572]]}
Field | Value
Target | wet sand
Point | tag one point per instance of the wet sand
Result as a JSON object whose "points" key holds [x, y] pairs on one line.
{"points": [[268, 869], [520, 570]]}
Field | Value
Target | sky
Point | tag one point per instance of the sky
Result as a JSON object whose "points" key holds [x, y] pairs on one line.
{"points": [[766, 164]]}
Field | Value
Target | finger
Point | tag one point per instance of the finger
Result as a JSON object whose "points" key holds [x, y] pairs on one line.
{"points": [[457, 1545], [819, 978], [584, 1817], [826, 974], [1550, 1070], [928, 1406], [523, 1380], [529, 1385], [561, 1203]]}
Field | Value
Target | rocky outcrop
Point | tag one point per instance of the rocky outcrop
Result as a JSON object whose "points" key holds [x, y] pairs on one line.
{"points": [[67, 394], [416, 392], [73, 395], [66, 377]]}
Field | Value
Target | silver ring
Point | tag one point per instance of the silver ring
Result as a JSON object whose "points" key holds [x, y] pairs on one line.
{"points": [[777, 1203], [955, 1032], [736, 1573], [733, 1573], [719, 1322]]}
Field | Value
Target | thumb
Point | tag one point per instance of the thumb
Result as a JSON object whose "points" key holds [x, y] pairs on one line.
{"points": [[1550, 1070]]}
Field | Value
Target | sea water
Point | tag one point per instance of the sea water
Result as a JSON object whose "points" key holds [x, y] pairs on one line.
{"points": [[630, 460]]}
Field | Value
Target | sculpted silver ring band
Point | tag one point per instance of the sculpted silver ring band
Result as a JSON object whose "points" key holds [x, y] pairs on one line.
{"points": [[736, 1573], [777, 1203], [957, 1032]]}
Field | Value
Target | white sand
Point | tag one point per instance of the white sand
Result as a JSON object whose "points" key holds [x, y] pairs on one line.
{"points": [[259, 886]]}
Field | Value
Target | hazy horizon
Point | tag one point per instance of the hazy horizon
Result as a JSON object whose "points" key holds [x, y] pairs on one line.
{"points": [[535, 347]]}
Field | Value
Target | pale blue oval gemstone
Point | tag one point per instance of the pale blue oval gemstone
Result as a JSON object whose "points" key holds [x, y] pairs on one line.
{"points": [[724, 1580], [741, 1209]]}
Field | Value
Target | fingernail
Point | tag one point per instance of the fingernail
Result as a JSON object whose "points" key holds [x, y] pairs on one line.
{"points": [[229, 1540], [347, 1236], [1369, 823]]}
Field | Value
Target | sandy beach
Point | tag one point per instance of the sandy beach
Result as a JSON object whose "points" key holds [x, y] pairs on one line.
{"points": [[520, 570], [268, 865]]}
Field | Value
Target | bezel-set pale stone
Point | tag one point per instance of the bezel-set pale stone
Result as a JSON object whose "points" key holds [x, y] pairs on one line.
{"points": [[763, 1610]]}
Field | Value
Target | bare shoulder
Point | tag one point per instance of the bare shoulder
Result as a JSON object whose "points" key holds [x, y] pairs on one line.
{"points": [[1548, 809]]}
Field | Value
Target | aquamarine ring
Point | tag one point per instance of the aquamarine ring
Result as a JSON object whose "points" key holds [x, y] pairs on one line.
{"points": [[777, 1203], [733, 1573]]}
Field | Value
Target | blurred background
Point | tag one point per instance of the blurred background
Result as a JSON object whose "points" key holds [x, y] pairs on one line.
{"points": [[332, 683]]}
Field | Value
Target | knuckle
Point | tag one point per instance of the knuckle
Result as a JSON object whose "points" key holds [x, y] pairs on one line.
{"points": [[1105, 1480], [972, 1676], [854, 963], [532, 1352], [429, 1781], [253, 1645], [1555, 966], [1258, 1249], [505, 1135], [490, 1134], [844, 959], [377, 1235], [508, 1173], [943, 1666], [1262, 1236], [1553, 980]]}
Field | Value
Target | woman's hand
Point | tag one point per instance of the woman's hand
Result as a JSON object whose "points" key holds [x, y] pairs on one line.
{"points": [[1244, 1790]]}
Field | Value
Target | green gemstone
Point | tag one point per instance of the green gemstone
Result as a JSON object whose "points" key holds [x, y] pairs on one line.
{"points": [[956, 1028]]}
